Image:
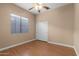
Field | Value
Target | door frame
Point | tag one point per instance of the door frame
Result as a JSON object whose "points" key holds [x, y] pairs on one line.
{"points": [[37, 24]]}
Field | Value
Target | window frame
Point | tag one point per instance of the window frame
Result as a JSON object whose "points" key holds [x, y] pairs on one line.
{"points": [[20, 18]]}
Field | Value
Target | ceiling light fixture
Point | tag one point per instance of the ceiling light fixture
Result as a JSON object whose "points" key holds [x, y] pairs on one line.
{"points": [[39, 6]]}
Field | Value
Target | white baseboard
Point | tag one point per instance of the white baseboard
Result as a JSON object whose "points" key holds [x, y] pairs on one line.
{"points": [[5, 48], [66, 46], [61, 44], [76, 51]]}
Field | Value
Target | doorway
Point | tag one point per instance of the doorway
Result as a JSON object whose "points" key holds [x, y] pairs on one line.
{"points": [[42, 30]]}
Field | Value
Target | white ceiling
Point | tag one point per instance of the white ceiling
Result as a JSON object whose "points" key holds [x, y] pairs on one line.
{"points": [[26, 6]]}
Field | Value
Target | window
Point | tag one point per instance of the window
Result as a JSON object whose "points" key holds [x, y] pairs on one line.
{"points": [[19, 24], [24, 24]]}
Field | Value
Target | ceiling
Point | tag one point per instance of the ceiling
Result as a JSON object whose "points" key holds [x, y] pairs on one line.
{"points": [[27, 6]]}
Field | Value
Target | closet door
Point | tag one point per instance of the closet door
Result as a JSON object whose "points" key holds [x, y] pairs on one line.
{"points": [[42, 31]]}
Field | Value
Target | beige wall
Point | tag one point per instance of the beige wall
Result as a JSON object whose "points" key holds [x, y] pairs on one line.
{"points": [[6, 37], [76, 28], [60, 22]]}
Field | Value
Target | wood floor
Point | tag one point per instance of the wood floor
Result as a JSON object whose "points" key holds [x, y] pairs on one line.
{"points": [[39, 48]]}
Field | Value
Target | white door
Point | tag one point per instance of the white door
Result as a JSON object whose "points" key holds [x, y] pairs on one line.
{"points": [[42, 31]]}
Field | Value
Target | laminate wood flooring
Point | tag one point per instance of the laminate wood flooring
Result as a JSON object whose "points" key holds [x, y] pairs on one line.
{"points": [[39, 48]]}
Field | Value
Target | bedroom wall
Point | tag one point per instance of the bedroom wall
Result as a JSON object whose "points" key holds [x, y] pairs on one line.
{"points": [[6, 37], [76, 29], [60, 24]]}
